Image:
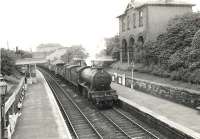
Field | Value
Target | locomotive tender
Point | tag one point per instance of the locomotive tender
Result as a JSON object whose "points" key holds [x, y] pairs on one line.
{"points": [[91, 82]]}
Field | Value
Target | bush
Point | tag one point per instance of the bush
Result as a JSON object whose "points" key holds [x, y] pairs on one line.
{"points": [[187, 76], [172, 54], [8, 61], [175, 75], [195, 76]]}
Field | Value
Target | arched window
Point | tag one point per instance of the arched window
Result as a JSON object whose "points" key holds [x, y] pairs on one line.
{"points": [[131, 49], [124, 50], [131, 42], [140, 40]]}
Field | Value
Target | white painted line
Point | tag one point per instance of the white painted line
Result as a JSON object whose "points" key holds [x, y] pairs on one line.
{"points": [[56, 111]]}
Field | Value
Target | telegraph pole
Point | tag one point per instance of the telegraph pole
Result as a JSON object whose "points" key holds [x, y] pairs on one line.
{"points": [[7, 45], [1, 127], [0, 60]]}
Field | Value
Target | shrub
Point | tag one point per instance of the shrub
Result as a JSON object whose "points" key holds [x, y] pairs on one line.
{"points": [[195, 76], [186, 77], [175, 75]]}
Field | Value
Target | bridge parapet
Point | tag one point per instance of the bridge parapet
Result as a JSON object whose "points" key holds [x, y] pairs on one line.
{"points": [[29, 67]]}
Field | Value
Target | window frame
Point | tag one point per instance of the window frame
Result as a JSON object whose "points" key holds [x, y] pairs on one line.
{"points": [[141, 18], [123, 25], [128, 22], [134, 20]]}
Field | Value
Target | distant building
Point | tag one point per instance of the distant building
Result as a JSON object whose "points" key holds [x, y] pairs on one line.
{"points": [[144, 20], [48, 47]]}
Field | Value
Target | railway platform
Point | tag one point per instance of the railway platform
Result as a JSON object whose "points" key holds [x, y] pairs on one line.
{"points": [[174, 114], [40, 118]]}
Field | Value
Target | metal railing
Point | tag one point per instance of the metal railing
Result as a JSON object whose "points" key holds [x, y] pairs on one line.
{"points": [[11, 109]]}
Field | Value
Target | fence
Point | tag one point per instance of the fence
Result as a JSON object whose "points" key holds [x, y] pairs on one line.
{"points": [[11, 109], [184, 96]]}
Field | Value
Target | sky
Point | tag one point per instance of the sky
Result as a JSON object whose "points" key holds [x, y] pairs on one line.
{"points": [[28, 23]]}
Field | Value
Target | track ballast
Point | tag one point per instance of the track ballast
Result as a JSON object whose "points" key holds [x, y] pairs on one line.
{"points": [[88, 122]]}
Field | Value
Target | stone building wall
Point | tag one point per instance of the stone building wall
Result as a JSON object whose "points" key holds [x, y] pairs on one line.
{"points": [[155, 18]]}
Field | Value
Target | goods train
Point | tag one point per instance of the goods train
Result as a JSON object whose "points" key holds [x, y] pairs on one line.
{"points": [[90, 81]]}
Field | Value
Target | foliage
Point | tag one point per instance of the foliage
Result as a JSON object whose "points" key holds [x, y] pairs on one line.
{"points": [[8, 58], [23, 54], [101, 53], [112, 44], [74, 52], [172, 54], [7, 61], [196, 40]]}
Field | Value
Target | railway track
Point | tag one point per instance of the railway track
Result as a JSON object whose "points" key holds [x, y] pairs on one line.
{"points": [[130, 127], [88, 122], [81, 126]]}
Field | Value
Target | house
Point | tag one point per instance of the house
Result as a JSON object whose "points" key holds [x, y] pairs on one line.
{"points": [[144, 20]]}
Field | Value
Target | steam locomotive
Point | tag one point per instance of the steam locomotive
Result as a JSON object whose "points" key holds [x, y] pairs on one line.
{"points": [[92, 82]]}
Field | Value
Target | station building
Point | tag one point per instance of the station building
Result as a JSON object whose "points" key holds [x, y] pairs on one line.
{"points": [[144, 20]]}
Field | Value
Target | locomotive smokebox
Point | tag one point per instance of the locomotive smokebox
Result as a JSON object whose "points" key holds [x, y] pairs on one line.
{"points": [[96, 77]]}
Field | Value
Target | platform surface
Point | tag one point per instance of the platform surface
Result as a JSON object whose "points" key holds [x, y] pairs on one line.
{"points": [[182, 115], [41, 118]]}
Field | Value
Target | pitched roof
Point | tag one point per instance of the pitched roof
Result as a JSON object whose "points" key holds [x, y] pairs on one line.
{"points": [[140, 3]]}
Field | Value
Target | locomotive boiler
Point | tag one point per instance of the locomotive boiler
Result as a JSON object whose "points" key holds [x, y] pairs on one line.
{"points": [[95, 85]]}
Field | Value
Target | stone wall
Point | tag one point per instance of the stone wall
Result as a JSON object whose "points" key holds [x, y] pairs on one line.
{"points": [[184, 96]]}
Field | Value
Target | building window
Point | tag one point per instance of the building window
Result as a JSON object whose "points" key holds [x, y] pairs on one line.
{"points": [[141, 18], [123, 25], [134, 20], [128, 23]]}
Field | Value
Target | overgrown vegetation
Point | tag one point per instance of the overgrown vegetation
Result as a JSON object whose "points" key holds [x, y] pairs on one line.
{"points": [[172, 54], [8, 58], [7, 61]]}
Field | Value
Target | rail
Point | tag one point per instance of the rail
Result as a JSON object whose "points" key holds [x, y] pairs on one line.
{"points": [[116, 127], [55, 87], [129, 127], [135, 123]]}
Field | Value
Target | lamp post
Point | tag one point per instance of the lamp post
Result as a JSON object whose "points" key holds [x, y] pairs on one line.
{"points": [[3, 90], [132, 70]]}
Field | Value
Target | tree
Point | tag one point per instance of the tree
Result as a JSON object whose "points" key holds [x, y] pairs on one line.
{"points": [[178, 38], [23, 54], [74, 52], [171, 49], [111, 44], [7, 61]]}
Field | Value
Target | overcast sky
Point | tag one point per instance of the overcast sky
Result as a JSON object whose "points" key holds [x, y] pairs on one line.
{"points": [[27, 23]]}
